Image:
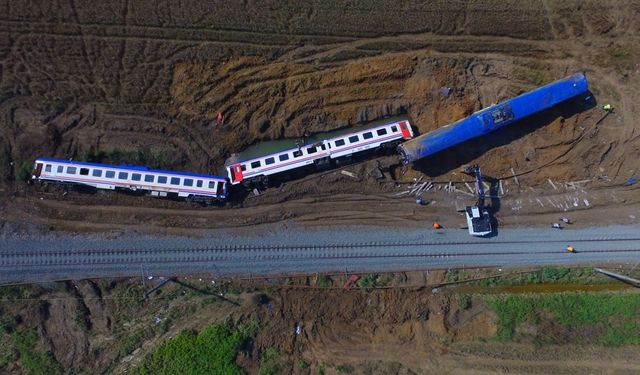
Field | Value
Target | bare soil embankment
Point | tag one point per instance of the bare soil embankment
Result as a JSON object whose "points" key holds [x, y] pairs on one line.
{"points": [[145, 83]]}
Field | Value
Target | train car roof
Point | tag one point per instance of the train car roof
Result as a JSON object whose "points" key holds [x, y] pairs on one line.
{"points": [[136, 168], [267, 148]]}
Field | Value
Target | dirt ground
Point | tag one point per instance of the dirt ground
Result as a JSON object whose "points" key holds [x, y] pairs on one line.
{"points": [[408, 327], [148, 78], [149, 81]]}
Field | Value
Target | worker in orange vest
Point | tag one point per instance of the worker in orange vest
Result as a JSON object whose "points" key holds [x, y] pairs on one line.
{"points": [[436, 225]]}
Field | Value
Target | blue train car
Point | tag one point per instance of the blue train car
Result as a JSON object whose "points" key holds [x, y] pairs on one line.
{"points": [[494, 117]]}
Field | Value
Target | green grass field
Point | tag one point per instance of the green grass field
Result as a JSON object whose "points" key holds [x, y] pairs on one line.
{"points": [[610, 319]]}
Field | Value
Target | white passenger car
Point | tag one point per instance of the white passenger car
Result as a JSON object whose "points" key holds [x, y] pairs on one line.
{"points": [[134, 178], [320, 150]]}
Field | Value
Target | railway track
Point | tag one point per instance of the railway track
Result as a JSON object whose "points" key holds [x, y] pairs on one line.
{"points": [[257, 248], [372, 250], [124, 259], [296, 250]]}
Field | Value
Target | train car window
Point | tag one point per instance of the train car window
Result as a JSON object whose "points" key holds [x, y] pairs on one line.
{"points": [[162, 179], [123, 175], [212, 185], [60, 168], [243, 167], [188, 182], [47, 168], [220, 189], [382, 131], [84, 171], [268, 161], [255, 164], [312, 150], [110, 174], [199, 183], [283, 157], [323, 147], [394, 129], [367, 135], [297, 154], [148, 178], [340, 142], [71, 170], [353, 139], [136, 176], [97, 173], [175, 180]]}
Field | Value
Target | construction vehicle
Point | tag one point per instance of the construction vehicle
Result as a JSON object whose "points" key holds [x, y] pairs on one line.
{"points": [[478, 216]]}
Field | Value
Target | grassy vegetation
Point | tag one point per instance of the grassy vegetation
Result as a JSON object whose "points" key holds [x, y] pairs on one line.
{"points": [[117, 156], [452, 275], [23, 173], [464, 301], [31, 360], [323, 281], [367, 281], [613, 317], [546, 275], [212, 351], [271, 362], [129, 343], [344, 369]]}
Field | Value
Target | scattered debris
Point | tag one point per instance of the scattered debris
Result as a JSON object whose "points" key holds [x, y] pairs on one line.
{"points": [[556, 226], [515, 177], [566, 220], [632, 180], [352, 279], [256, 192], [464, 192], [445, 91], [469, 187], [623, 278], [377, 171], [350, 174], [552, 184]]}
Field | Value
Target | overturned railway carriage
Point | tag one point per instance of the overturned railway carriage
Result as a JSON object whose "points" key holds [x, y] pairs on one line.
{"points": [[254, 166], [494, 117], [132, 178]]}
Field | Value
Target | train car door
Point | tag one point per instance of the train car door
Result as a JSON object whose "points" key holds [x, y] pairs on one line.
{"points": [[37, 170], [406, 134], [220, 188], [236, 173]]}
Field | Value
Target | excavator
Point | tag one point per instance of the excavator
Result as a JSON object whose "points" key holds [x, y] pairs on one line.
{"points": [[478, 216]]}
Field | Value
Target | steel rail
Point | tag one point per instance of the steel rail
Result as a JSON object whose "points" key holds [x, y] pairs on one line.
{"points": [[124, 259], [271, 248]]}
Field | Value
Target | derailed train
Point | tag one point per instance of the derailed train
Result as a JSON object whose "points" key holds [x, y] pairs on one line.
{"points": [[250, 169], [254, 167]]}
